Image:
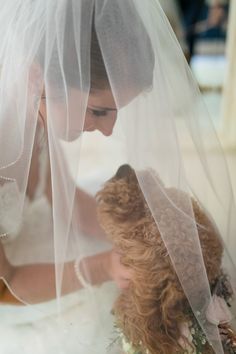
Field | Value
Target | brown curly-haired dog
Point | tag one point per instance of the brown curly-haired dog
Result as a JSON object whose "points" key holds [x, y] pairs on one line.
{"points": [[151, 310]]}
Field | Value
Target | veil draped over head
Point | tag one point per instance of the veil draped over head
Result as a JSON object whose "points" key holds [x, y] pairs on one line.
{"points": [[62, 52]]}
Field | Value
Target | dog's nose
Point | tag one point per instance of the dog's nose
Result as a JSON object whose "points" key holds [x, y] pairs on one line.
{"points": [[124, 171]]}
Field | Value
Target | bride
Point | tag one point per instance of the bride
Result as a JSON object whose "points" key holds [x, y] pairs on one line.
{"points": [[69, 68]]}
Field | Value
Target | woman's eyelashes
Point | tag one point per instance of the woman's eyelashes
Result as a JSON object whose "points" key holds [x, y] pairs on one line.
{"points": [[98, 113]]}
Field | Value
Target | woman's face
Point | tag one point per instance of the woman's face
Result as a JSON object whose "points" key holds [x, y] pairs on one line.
{"points": [[101, 112]]}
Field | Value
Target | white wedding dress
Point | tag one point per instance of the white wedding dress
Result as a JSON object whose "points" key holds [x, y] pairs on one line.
{"points": [[34, 329]]}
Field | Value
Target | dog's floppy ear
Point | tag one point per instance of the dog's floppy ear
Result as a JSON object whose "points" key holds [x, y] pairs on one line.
{"points": [[172, 300]]}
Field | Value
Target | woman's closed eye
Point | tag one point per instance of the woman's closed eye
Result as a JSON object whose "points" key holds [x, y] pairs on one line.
{"points": [[100, 118], [98, 113]]}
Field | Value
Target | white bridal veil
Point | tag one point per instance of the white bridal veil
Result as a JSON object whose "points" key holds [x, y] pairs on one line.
{"points": [[47, 50]]}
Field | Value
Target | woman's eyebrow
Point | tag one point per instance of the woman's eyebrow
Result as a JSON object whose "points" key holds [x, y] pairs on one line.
{"points": [[103, 108]]}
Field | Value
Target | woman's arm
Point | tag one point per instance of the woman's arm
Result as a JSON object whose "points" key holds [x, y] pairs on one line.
{"points": [[38, 280]]}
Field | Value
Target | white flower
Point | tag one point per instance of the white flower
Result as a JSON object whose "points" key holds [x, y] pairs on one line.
{"points": [[185, 331]]}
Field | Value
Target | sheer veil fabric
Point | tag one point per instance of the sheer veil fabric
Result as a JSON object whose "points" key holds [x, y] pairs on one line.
{"points": [[162, 125]]}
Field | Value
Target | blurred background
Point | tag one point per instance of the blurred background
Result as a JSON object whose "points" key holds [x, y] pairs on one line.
{"points": [[206, 30]]}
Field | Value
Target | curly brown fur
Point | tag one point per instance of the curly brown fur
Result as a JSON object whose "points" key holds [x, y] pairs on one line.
{"points": [[150, 310]]}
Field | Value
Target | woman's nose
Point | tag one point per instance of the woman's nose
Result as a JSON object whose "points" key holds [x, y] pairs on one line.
{"points": [[107, 131], [106, 126]]}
